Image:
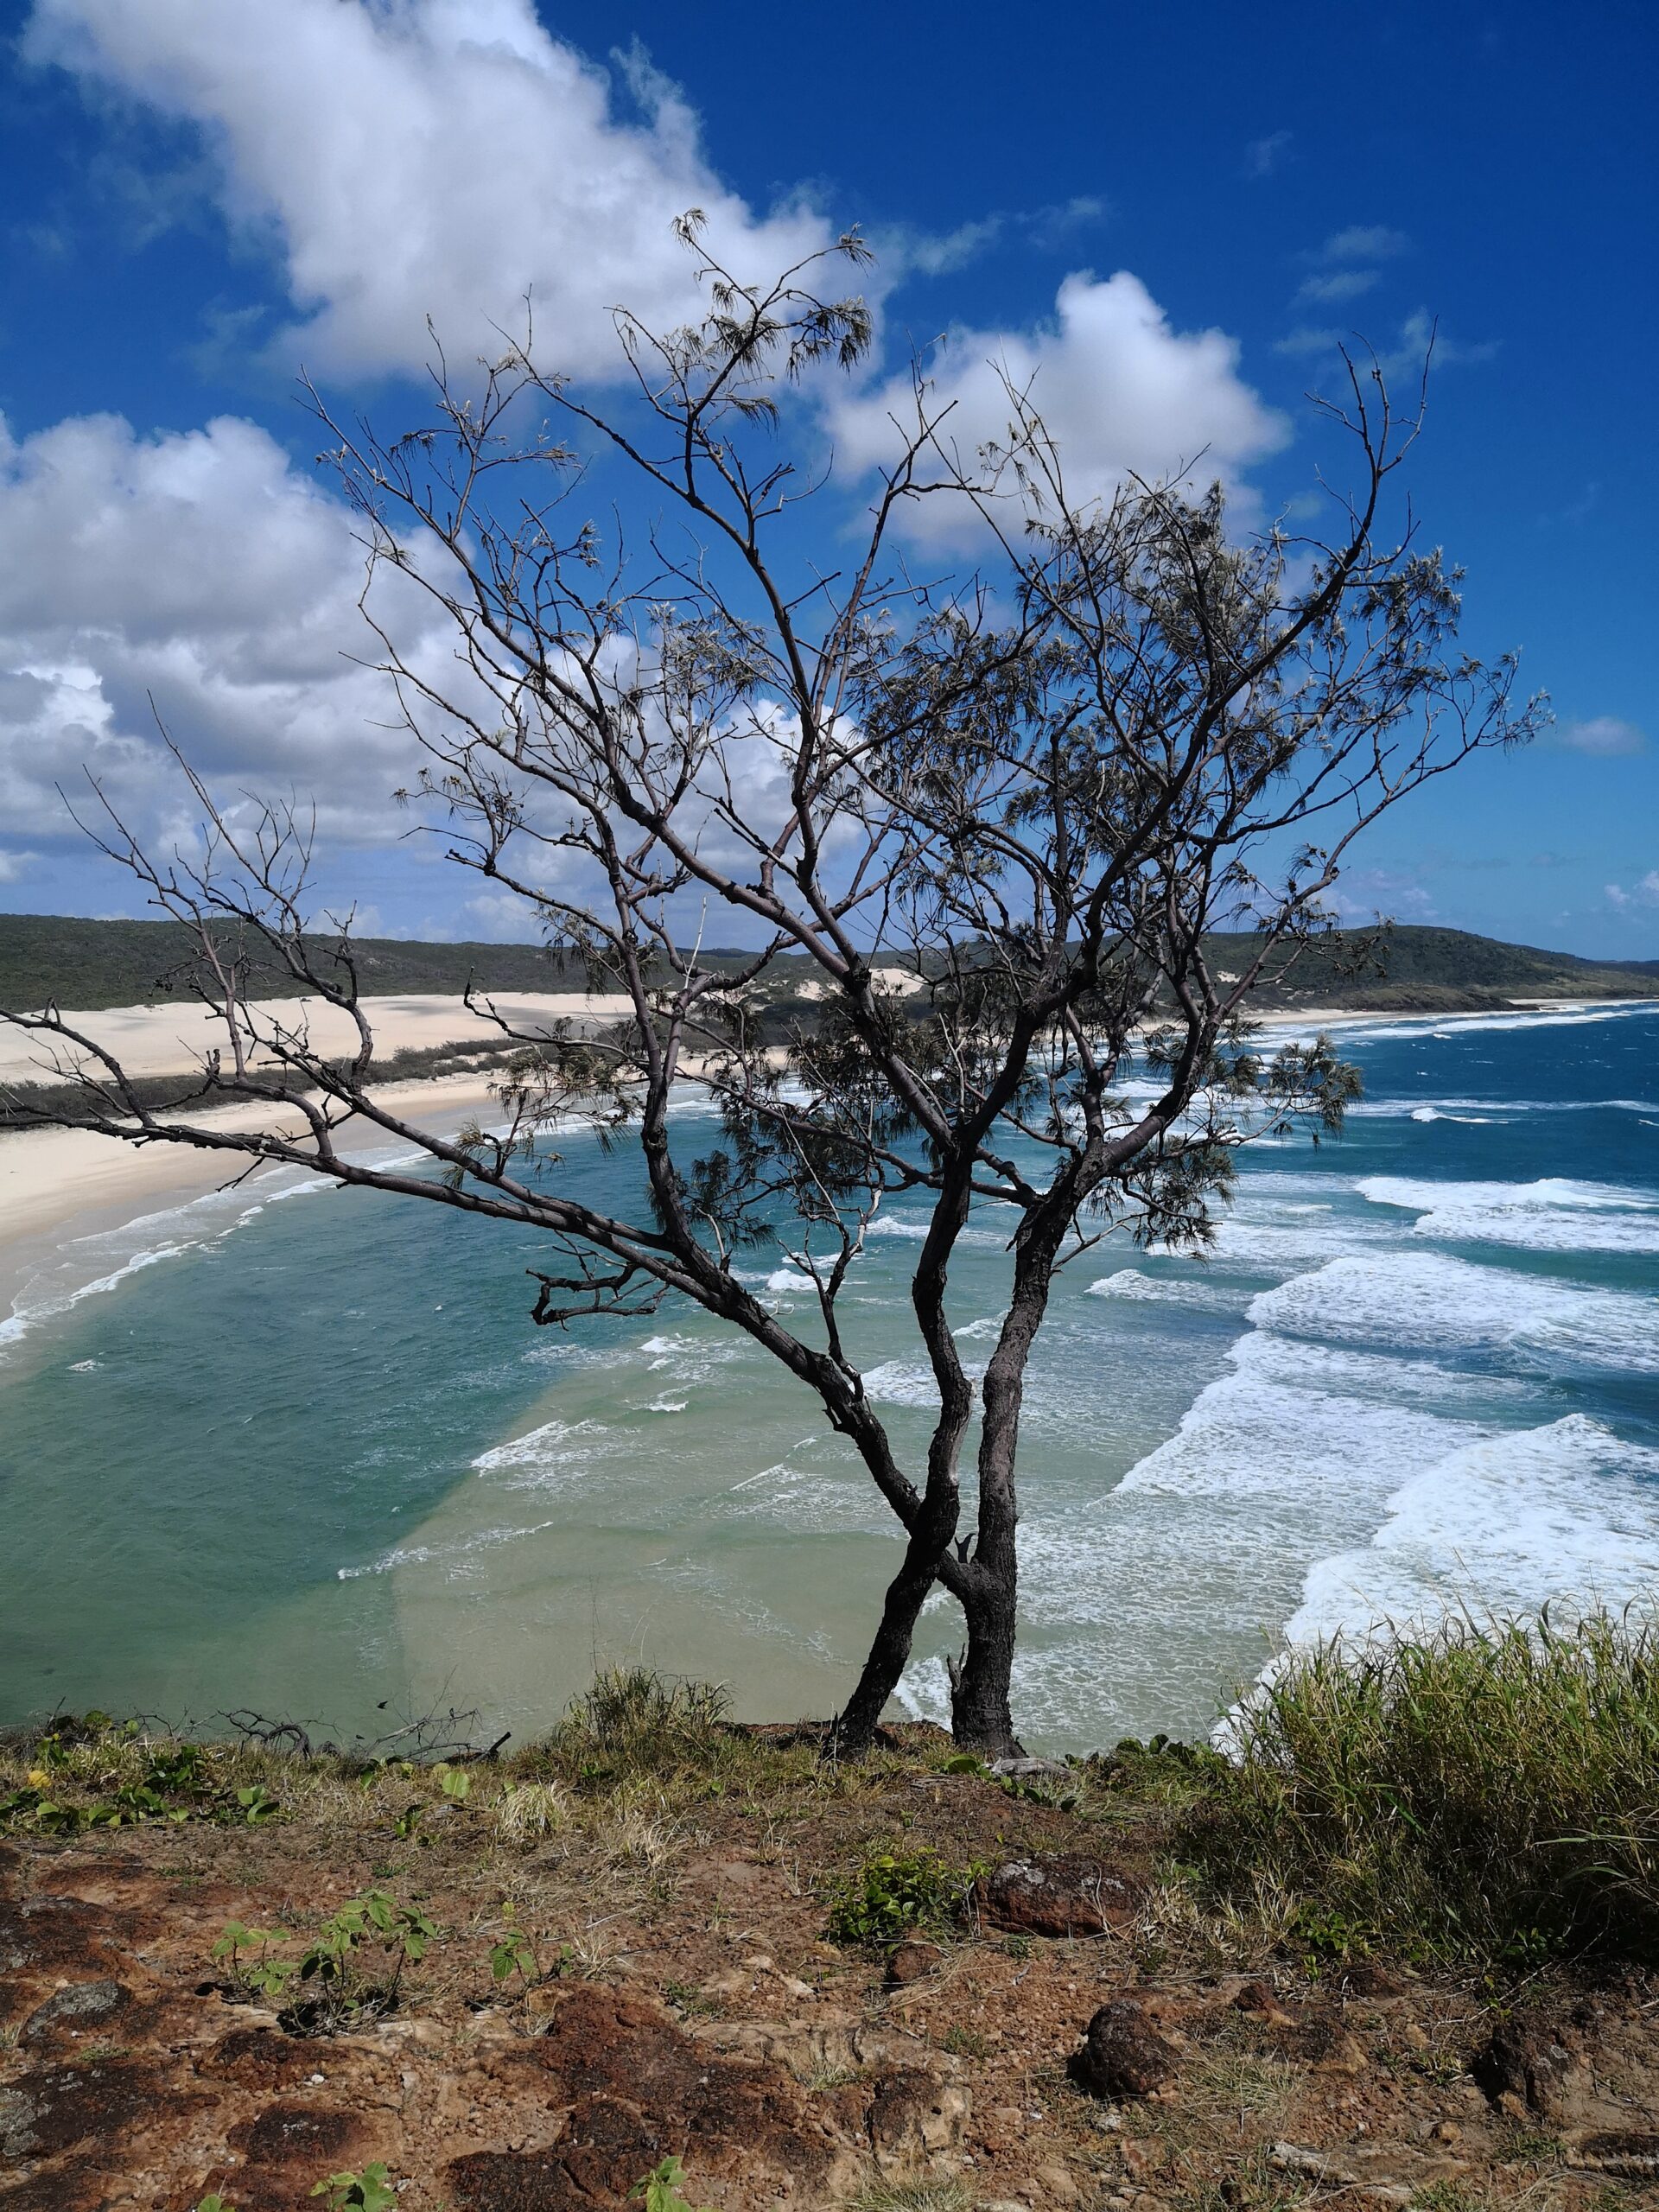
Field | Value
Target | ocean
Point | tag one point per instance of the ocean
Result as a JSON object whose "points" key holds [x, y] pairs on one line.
{"points": [[299, 1452]]}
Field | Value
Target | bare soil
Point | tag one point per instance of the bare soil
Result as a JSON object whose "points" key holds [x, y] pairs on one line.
{"points": [[687, 2003]]}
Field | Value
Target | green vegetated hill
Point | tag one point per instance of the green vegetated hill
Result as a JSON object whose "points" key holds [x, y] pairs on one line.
{"points": [[88, 964]]}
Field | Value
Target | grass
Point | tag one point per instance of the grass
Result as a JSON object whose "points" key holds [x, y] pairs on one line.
{"points": [[1487, 1792]]}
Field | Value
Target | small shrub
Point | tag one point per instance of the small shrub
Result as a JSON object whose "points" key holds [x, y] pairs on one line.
{"points": [[662, 2190], [634, 1721], [246, 1955], [894, 1892], [335, 1966], [369, 2191], [517, 1954], [1488, 1792]]}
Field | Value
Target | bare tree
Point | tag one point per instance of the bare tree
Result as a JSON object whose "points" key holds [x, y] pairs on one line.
{"points": [[993, 818]]}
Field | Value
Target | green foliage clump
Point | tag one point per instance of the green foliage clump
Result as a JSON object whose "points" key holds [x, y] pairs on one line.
{"points": [[353, 1966], [1488, 1792], [663, 2190], [893, 1894], [372, 2191], [636, 1722], [88, 1772]]}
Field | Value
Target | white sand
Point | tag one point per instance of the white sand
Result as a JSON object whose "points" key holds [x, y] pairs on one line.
{"points": [[56, 1180], [170, 1040]]}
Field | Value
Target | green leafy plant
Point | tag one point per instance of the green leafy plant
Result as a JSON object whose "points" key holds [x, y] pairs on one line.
{"points": [[516, 1952], [334, 1959], [454, 1782], [245, 1953], [215, 2202], [370, 2190], [663, 2189], [895, 1891]]}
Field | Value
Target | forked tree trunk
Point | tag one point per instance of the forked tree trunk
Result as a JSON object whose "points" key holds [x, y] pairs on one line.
{"points": [[982, 1718], [929, 1541]]}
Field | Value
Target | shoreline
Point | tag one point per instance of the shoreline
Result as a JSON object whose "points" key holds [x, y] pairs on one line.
{"points": [[63, 1185]]}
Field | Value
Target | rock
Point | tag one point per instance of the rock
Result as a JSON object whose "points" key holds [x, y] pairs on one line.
{"points": [[78, 2007], [1123, 2054], [1529, 2063], [1027, 1769], [1371, 1978], [914, 2117], [1256, 1997], [1058, 1897], [1630, 2155], [913, 1961], [1310, 2165], [1056, 2183], [1345, 2055]]}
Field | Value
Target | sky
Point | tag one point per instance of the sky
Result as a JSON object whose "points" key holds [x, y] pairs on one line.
{"points": [[1171, 215]]}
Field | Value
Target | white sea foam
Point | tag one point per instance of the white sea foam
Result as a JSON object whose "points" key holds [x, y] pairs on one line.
{"points": [[1426, 1301], [902, 1383], [1551, 1215], [1505, 1524], [1160, 1290], [551, 1457], [1294, 1418], [458, 1556]]}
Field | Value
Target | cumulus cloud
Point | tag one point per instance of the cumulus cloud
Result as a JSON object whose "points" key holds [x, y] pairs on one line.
{"points": [[1644, 892], [1603, 736], [1122, 392], [441, 157], [13, 866], [198, 570]]}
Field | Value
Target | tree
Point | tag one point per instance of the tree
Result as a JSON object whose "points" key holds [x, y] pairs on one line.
{"points": [[1023, 796]]}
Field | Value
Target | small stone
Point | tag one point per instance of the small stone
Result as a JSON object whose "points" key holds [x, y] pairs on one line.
{"points": [[81, 2002], [1630, 2155], [1058, 1897], [1529, 2063], [1446, 2131], [1123, 2054], [913, 1961], [1058, 2184], [1346, 2056]]}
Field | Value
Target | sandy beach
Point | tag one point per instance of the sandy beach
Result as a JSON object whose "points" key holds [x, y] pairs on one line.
{"points": [[55, 1183]]}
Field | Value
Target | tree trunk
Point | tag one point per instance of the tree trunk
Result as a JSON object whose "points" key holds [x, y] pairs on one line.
{"points": [[982, 1718], [853, 1732]]}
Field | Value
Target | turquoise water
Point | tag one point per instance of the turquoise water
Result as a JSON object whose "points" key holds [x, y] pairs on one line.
{"points": [[300, 1450]]}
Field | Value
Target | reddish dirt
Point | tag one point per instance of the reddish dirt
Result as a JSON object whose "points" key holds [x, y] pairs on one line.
{"points": [[705, 2017]]}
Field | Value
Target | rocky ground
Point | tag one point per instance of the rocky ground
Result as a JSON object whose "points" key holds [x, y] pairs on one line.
{"points": [[1085, 2035]]}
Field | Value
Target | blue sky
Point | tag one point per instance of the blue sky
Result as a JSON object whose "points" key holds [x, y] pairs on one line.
{"points": [[198, 195]]}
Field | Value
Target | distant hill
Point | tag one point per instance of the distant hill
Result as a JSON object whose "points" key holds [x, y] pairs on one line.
{"points": [[88, 965]]}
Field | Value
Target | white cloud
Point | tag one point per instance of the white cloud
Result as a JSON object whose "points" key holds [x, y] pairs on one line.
{"points": [[1420, 339], [1603, 736], [416, 157], [1120, 392], [1337, 284], [1361, 897], [1645, 892], [13, 866], [201, 570], [1263, 155], [1362, 242]]}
